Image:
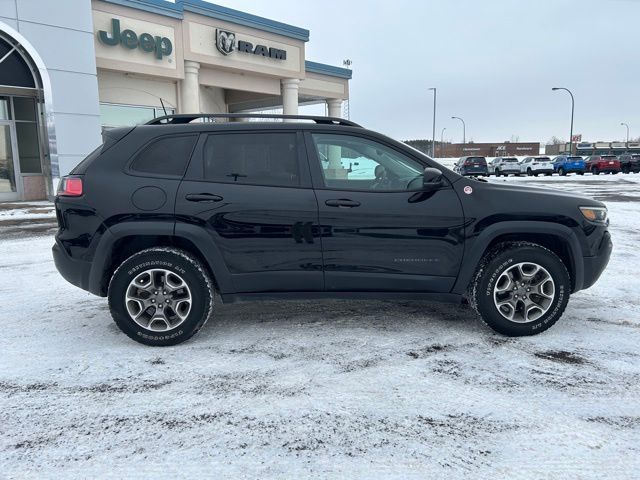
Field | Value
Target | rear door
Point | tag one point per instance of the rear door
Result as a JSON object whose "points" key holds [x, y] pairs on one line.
{"points": [[379, 231], [251, 192]]}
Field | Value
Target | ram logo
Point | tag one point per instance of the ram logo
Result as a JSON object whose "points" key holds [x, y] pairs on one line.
{"points": [[225, 41]]}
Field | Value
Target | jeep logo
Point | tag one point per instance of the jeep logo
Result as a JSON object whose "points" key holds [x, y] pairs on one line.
{"points": [[226, 44], [160, 46]]}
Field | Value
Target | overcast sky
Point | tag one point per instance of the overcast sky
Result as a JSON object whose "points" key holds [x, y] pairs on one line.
{"points": [[493, 62]]}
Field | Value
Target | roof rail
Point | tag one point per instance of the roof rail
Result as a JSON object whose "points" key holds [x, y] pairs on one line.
{"points": [[189, 117]]}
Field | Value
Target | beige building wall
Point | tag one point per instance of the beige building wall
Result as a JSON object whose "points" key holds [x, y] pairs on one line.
{"points": [[195, 76], [132, 89]]}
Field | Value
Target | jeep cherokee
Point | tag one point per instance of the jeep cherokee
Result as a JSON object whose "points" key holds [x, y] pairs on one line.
{"points": [[163, 215]]}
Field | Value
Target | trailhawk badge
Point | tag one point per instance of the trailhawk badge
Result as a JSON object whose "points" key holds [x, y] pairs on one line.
{"points": [[225, 41]]}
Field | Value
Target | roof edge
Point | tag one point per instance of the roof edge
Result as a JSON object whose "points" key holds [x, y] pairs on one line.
{"points": [[324, 69], [200, 7]]}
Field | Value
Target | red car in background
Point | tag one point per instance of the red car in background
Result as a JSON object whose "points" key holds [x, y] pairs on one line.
{"points": [[602, 163]]}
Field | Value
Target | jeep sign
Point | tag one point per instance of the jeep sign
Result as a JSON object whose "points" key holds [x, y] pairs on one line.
{"points": [[146, 42]]}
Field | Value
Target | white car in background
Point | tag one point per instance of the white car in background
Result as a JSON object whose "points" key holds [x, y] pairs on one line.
{"points": [[504, 166], [536, 165]]}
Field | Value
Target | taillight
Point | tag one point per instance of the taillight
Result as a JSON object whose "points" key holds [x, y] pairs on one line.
{"points": [[70, 187]]}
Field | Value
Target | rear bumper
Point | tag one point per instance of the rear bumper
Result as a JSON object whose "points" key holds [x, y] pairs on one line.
{"points": [[595, 265], [73, 271], [542, 170]]}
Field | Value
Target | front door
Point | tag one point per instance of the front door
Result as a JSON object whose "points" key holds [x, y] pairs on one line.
{"points": [[379, 231], [10, 184], [251, 191]]}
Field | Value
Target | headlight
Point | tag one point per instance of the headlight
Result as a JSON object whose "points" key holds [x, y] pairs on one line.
{"points": [[594, 214]]}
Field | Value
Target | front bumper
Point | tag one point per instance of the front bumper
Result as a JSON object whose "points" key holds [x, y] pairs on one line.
{"points": [[595, 265]]}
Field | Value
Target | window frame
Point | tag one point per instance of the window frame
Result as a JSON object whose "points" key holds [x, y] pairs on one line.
{"points": [[137, 173], [195, 171], [316, 168]]}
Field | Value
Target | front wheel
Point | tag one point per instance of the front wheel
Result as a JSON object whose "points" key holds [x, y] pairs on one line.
{"points": [[520, 288], [595, 171], [160, 296], [529, 172], [561, 172]]}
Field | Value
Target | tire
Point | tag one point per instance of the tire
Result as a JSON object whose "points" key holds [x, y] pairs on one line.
{"points": [[595, 171], [535, 174], [561, 172], [497, 172], [505, 258], [580, 173], [189, 302], [626, 170], [529, 172]]}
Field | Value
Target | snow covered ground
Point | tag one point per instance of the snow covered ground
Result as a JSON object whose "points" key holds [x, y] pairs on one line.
{"points": [[336, 389]]}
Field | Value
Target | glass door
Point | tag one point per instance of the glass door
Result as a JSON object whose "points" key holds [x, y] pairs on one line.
{"points": [[10, 184]]}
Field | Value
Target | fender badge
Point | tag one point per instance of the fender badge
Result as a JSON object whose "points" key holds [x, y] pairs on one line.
{"points": [[468, 190]]}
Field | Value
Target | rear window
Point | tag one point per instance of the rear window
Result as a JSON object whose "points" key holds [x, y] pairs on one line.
{"points": [[511, 160], [480, 160], [542, 159], [165, 156], [574, 158], [252, 158], [609, 157]]}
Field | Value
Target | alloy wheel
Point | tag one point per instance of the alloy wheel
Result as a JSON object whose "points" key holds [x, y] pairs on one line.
{"points": [[524, 292], [158, 300]]}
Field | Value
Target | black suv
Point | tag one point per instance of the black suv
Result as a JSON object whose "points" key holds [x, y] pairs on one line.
{"points": [[163, 215]]}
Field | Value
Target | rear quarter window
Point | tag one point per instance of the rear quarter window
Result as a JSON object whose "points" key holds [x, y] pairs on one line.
{"points": [[166, 156]]}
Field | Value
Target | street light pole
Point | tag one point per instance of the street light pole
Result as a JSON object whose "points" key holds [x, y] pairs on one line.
{"points": [[433, 133], [442, 140], [464, 130], [572, 105], [627, 132]]}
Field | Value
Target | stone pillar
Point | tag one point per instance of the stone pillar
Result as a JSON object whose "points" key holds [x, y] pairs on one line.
{"points": [[190, 92], [334, 107], [289, 88]]}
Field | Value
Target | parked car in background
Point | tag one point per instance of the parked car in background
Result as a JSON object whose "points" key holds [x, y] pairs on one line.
{"points": [[536, 165], [597, 164], [629, 162], [504, 166], [564, 164], [472, 166]]}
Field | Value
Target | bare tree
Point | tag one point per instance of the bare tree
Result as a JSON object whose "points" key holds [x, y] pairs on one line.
{"points": [[555, 141]]}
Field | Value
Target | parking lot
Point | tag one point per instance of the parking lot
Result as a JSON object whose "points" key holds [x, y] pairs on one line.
{"points": [[332, 389]]}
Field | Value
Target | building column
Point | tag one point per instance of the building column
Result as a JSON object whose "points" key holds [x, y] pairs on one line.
{"points": [[289, 87], [334, 107], [190, 88]]}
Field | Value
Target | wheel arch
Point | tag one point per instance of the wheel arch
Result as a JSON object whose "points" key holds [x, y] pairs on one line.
{"points": [[560, 239], [122, 241]]}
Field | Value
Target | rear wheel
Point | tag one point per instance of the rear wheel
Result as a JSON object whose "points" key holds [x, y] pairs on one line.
{"points": [[626, 169], [529, 171], [160, 296], [520, 288]]}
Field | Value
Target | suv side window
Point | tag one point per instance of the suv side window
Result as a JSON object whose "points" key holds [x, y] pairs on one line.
{"points": [[358, 163], [165, 156], [268, 158]]}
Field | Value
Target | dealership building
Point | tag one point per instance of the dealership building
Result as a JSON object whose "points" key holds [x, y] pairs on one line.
{"points": [[69, 69]]}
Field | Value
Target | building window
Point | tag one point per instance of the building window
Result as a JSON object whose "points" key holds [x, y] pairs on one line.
{"points": [[115, 115], [25, 115]]}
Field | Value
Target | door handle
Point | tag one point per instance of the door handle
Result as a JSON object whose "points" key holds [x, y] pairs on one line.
{"points": [[342, 202], [203, 197]]}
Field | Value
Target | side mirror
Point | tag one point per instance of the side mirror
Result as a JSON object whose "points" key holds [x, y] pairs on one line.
{"points": [[432, 179]]}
